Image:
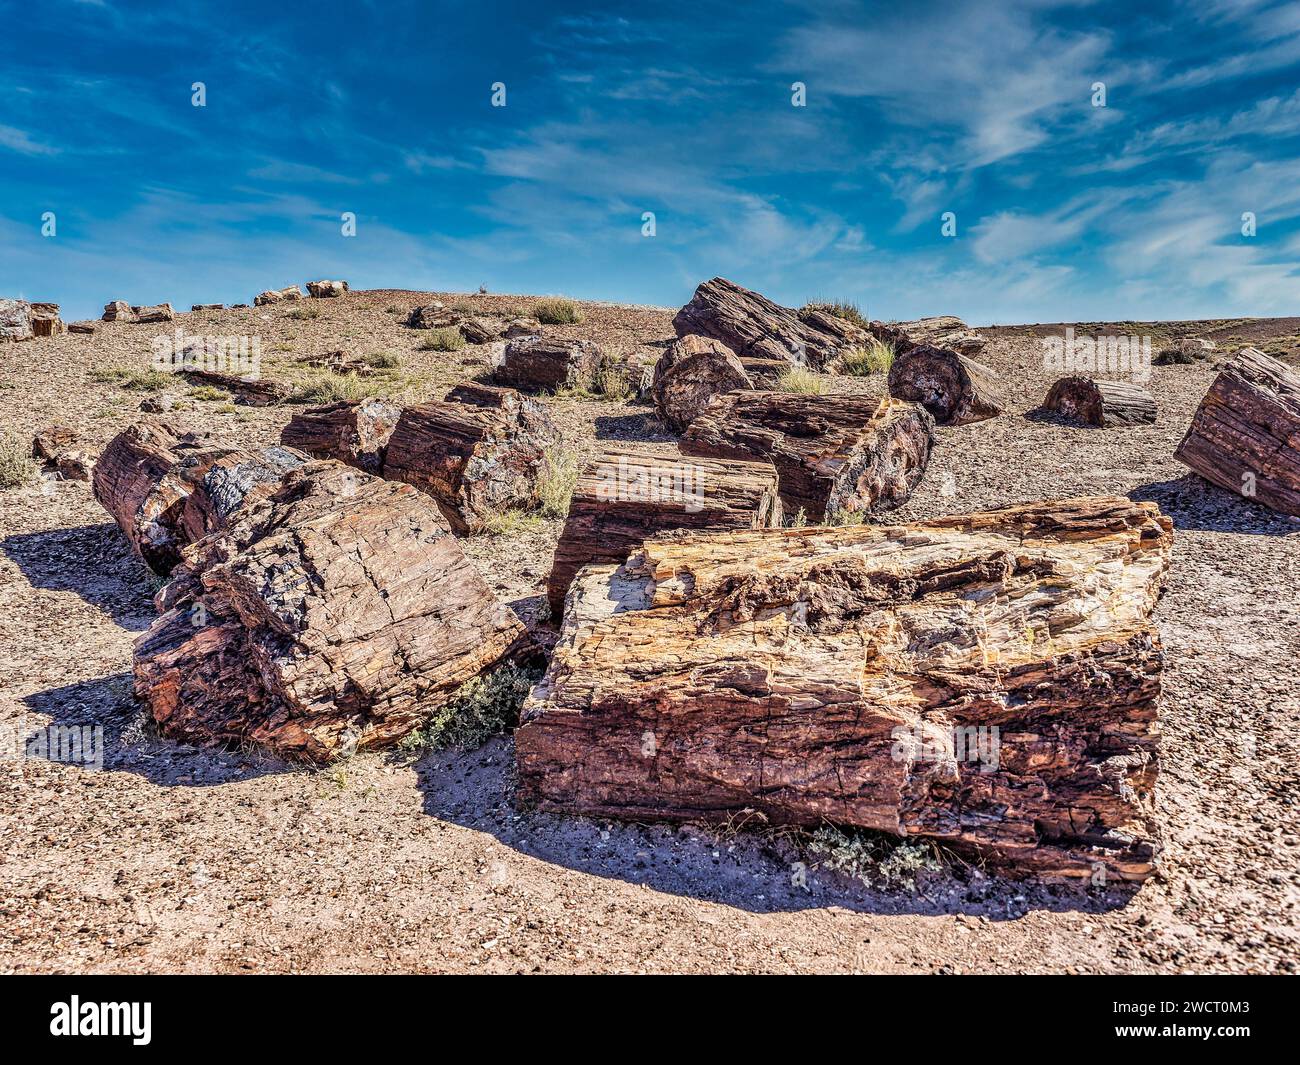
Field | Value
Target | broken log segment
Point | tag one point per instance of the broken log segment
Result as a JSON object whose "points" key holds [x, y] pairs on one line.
{"points": [[690, 373], [954, 389], [834, 455], [987, 680], [483, 452], [1101, 403], [247, 391], [627, 495], [356, 433], [546, 364], [333, 615], [1245, 435]]}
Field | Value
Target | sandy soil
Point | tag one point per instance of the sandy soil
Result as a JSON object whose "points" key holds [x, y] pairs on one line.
{"points": [[177, 859]]}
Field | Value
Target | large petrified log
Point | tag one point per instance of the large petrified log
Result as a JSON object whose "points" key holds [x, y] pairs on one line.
{"points": [[753, 326], [691, 372], [954, 389], [989, 680], [249, 391], [479, 451], [545, 364], [834, 455], [627, 495], [326, 289], [1101, 403], [1245, 435], [332, 615], [356, 433]]}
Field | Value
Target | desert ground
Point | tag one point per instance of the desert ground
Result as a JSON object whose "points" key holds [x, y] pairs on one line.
{"points": [[179, 859]]}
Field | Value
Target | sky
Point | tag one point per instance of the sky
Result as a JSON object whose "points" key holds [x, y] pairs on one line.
{"points": [[114, 185]]}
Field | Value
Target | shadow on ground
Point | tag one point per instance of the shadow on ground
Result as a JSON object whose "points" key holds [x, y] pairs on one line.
{"points": [[91, 560], [645, 427], [751, 869], [1195, 503]]}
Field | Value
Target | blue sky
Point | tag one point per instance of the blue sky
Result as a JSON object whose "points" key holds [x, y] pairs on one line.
{"points": [[1064, 211]]}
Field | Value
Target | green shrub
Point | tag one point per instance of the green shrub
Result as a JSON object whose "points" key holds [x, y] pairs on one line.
{"points": [[868, 857], [16, 465], [383, 360], [611, 381], [309, 310], [483, 707], [448, 338], [463, 307], [555, 488], [845, 309], [315, 385], [876, 356], [209, 394], [802, 380], [134, 380], [557, 312]]}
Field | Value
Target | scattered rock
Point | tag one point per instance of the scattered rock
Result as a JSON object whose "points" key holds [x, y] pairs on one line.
{"points": [[430, 316], [118, 311], [49, 444], [326, 289], [86, 328], [544, 364], [270, 296], [15, 320]]}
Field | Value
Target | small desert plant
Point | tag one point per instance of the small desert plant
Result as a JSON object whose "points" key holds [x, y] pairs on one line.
{"points": [[802, 380], [555, 487], [557, 312], [134, 380], [16, 465], [383, 360], [867, 857], [508, 521], [304, 312], [847, 517], [482, 708], [463, 307], [611, 381], [449, 338], [876, 356], [797, 520], [845, 309], [326, 386], [209, 394]]}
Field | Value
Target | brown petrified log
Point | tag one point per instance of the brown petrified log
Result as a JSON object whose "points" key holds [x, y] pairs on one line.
{"points": [[1245, 435], [753, 326], [834, 454], [544, 364], [248, 391], [691, 372], [954, 389], [1101, 403], [480, 451], [354, 433], [626, 495], [335, 614], [989, 680]]}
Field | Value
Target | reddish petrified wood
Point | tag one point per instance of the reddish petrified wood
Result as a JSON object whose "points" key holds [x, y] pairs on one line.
{"points": [[355, 433], [954, 389], [1101, 403], [545, 364], [628, 494], [1245, 435], [988, 680], [691, 372], [833, 454]]}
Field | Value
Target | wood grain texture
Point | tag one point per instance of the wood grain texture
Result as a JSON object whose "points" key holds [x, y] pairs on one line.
{"points": [[353, 433], [1104, 404], [842, 674], [691, 372], [956, 390]]}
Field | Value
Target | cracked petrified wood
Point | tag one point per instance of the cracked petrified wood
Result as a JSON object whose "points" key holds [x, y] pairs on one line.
{"points": [[332, 615], [988, 680], [545, 364], [1103, 404], [753, 326], [626, 495], [954, 389], [833, 454], [1245, 435], [352, 432], [691, 372], [480, 451]]}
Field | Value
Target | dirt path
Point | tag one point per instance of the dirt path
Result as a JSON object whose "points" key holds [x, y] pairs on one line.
{"points": [[176, 859]]}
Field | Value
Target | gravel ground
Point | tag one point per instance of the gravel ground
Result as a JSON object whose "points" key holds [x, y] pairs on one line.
{"points": [[178, 859]]}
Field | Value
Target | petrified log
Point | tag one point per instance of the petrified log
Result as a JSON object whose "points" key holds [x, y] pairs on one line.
{"points": [[1101, 403], [15, 320], [208, 307], [833, 454], [46, 321], [430, 316], [537, 363], [954, 389], [247, 391], [354, 433], [753, 326], [476, 331], [86, 328], [691, 372], [51, 442], [223, 482], [335, 614], [161, 312], [118, 311], [474, 457], [326, 289], [1245, 435], [270, 296], [627, 495], [134, 482], [989, 680], [943, 331]]}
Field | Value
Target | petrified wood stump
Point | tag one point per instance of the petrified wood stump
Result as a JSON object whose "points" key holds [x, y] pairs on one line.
{"points": [[833, 454], [627, 495], [954, 389], [333, 615], [479, 451], [354, 433], [1245, 435], [988, 680], [691, 372], [544, 364], [1101, 403]]}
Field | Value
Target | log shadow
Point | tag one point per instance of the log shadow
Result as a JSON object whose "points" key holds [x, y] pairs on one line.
{"points": [[1050, 417], [643, 427], [755, 870], [1194, 503], [130, 741], [92, 560]]}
